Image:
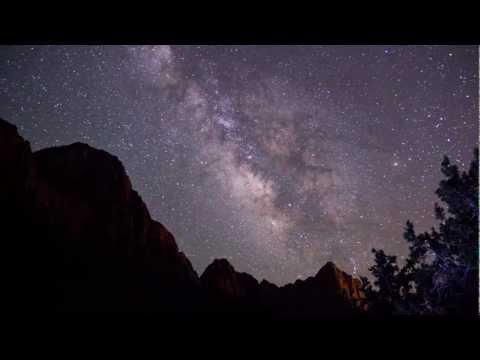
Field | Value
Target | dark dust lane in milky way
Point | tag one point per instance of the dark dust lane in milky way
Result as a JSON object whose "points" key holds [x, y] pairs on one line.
{"points": [[279, 158]]}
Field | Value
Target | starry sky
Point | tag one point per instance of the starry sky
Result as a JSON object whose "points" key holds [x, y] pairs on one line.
{"points": [[278, 158]]}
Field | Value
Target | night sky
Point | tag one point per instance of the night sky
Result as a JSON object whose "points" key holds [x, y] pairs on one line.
{"points": [[278, 158]]}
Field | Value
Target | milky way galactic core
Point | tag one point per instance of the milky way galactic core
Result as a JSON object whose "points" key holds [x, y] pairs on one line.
{"points": [[278, 158]]}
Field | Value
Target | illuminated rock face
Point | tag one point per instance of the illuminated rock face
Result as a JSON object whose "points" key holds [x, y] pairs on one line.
{"points": [[341, 282], [331, 292]]}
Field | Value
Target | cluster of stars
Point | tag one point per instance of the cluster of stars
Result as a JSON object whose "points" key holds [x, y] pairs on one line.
{"points": [[278, 158]]}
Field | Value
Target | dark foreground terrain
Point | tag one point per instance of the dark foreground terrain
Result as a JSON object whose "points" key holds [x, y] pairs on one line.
{"points": [[83, 240]]}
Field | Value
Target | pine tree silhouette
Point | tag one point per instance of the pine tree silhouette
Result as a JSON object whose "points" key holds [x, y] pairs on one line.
{"points": [[440, 274]]}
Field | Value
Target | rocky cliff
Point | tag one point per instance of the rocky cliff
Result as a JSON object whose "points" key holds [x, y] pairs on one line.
{"points": [[93, 236]]}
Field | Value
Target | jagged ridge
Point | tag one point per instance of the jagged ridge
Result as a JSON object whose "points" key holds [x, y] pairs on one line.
{"points": [[95, 246]]}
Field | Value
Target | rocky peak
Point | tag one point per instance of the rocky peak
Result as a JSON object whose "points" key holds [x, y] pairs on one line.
{"points": [[94, 174], [220, 265], [220, 279], [9, 131], [338, 281], [14, 158]]}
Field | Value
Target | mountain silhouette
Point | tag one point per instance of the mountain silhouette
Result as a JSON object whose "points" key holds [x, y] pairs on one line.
{"points": [[83, 240]]}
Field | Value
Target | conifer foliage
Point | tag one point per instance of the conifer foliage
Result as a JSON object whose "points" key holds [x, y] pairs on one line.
{"points": [[440, 274]]}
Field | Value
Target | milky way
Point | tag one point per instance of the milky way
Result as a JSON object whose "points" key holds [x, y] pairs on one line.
{"points": [[279, 158]]}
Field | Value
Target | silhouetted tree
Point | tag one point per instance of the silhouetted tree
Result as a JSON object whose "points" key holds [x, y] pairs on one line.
{"points": [[440, 274]]}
